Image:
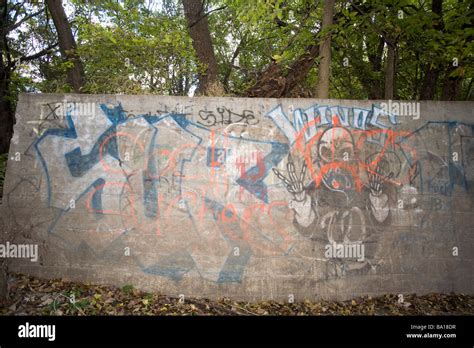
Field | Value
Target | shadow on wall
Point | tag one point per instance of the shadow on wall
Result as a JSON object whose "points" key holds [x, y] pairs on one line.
{"points": [[3, 168]]}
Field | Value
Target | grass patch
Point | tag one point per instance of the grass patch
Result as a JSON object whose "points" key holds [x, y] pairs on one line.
{"points": [[127, 289]]}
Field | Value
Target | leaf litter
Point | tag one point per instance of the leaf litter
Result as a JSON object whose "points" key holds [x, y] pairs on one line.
{"points": [[32, 296]]}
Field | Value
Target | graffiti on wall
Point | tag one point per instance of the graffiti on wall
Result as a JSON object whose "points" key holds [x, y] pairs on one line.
{"points": [[223, 116], [187, 196]]}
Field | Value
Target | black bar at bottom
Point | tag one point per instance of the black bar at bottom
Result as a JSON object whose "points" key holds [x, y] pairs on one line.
{"points": [[135, 330]]}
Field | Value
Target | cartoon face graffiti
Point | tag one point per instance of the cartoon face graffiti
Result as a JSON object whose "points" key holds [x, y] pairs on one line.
{"points": [[334, 157], [338, 216]]}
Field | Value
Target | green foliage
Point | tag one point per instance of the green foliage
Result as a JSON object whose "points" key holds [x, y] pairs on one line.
{"points": [[262, 31], [409, 24], [34, 35], [137, 51], [137, 46], [127, 289]]}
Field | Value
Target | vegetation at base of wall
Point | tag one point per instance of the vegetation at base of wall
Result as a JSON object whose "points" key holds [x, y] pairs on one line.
{"points": [[33, 296]]}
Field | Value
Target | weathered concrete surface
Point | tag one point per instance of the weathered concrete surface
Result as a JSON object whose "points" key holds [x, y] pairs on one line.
{"points": [[241, 197]]}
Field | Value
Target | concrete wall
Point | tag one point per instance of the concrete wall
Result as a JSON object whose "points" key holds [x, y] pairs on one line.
{"points": [[244, 198]]}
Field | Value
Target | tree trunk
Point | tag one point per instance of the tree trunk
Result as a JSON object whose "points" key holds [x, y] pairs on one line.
{"points": [[198, 27], [276, 82], [428, 88], [451, 85], [322, 87], [390, 71], [373, 85], [7, 119], [67, 45]]}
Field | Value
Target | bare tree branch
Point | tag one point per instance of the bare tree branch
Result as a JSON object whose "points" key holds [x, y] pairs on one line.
{"points": [[38, 54], [21, 21], [205, 15]]}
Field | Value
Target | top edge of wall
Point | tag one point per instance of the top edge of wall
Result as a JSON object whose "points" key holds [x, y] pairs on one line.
{"points": [[24, 95]]}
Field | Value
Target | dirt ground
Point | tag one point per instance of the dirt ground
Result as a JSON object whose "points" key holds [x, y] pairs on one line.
{"points": [[32, 296]]}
